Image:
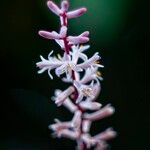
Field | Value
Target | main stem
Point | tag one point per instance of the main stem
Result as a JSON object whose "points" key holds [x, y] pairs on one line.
{"points": [[66, 50]]}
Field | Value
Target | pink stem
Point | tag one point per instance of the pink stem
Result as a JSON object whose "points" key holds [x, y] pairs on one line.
{"points": [[67, 49]]}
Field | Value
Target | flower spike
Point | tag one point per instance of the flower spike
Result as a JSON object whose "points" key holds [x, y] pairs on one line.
{"points": [[82, 72]]}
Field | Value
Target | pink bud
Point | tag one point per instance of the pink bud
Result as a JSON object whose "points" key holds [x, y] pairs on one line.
{"points": [[63, 31], [76, 13], [102, 113], [86, 33], [101, 146], [49, 35], [106, 135], [86, 124], [77, 39], [90, 105], [54, 8], [76, 121], [69, 134], [69, 104], [63, 96], [64, 5]]}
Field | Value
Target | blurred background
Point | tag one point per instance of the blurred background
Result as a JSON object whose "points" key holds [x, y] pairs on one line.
{"points": [[119, 30]]}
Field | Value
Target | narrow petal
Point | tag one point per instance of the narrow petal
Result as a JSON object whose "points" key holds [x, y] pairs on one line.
{"points": [[83, 48], [60, 43], [54, 8], [60, 70], [90, 61], [76, 13]]}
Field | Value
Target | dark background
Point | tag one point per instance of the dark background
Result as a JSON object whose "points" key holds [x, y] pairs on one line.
{"points": [[119, 31]]}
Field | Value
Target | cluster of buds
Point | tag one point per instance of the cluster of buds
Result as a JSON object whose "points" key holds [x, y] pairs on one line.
{"points": [[82, 73]]}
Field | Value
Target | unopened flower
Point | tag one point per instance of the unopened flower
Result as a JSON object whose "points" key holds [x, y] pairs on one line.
{"points": [[89, 105], [64, 8], [86, 124], [76, 121], [100, 114], [106, 135], [63, 96]]}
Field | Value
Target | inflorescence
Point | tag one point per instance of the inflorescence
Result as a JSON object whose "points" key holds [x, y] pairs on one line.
{"points": [[81, 95]]}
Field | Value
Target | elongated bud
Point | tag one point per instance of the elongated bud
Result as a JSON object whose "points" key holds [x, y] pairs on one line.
{"points": [[106, 135], [49, 35], [64, 5], [76, 121], [63, 96], [102, 113], [54, 8], [77, 39], [76, 13], [69, 105], [69, 134], [86, 33], [63, 31], [86, 124], [59, 126], [90, 105]]}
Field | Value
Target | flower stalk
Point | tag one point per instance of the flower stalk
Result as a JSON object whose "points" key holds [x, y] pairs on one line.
{"points": [[80, 96]]}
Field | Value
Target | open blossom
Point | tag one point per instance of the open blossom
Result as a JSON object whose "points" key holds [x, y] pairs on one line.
{"points": [[84, 76], [63, 65]]}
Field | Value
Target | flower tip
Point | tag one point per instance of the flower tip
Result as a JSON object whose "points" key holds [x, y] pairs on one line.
{"points": [[84, 9], [42, 33], [49, 3], [65, 5]]}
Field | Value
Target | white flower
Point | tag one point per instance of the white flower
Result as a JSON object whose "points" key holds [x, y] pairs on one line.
{"points": [[68, 63], [83, 90]]}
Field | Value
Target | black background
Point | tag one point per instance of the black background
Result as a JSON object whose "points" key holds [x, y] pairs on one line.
{"points": [[26, 108]]}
